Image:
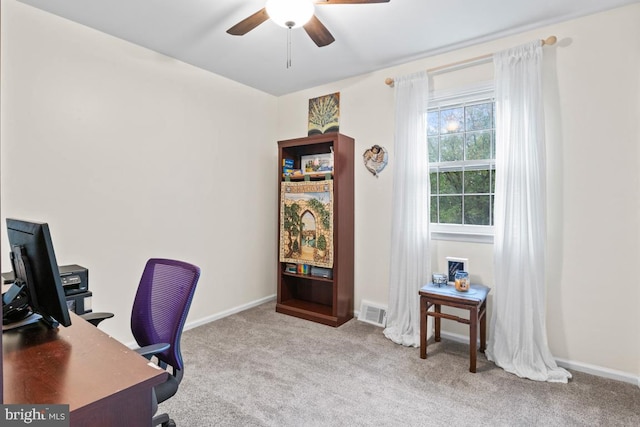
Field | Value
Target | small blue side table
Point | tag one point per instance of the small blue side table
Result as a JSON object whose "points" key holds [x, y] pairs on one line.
{"points": [[474, 300]]}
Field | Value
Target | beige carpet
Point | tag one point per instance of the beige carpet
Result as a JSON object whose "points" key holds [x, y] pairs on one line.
{"points": [[261, 368]]}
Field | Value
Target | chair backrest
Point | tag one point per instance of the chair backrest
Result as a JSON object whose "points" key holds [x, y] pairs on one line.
{"points": [[161, 306]]}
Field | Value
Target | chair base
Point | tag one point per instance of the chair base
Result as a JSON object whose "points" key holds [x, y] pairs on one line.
{"points": [[163, 420]]}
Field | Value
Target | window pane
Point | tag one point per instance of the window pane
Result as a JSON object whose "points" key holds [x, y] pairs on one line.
{"points": [[493, 146], [452, 120], [433, 148], [433, 177], [434, 209], [493, 203], [461, 144], [476, 181], [451, 209], [451, 148], [433, 123], [478, 145], [493, 182], [476, 210], [450, 183], [479, 116]]}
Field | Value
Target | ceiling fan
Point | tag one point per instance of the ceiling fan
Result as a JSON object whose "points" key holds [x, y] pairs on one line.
{"points": [[283, 13]]}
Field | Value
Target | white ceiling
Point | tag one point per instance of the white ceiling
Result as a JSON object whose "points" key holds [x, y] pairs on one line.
{"points": [[368, 36]]}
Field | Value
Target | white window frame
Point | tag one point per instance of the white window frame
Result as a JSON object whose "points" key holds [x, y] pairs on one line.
{"points": [[461, 232]]}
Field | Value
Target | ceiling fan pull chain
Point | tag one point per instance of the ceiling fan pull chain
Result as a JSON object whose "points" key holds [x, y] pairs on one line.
{"points": [[289, 48]]}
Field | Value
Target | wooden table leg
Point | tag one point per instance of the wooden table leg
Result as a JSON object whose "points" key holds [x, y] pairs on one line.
{"points": [[473, 338], [423, 327], [483, 327], [437, 308]]}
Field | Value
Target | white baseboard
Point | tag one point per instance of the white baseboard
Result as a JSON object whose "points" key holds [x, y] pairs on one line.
{"points": [[464, 339], [222, 314], [569, 364], [234, 310], [599, 371]]}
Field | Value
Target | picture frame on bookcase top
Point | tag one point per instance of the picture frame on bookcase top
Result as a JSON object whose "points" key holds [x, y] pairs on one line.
{"points": [[324, 114]]}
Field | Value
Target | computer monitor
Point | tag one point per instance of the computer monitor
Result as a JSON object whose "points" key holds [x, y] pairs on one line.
{"points": [[35, 267]]}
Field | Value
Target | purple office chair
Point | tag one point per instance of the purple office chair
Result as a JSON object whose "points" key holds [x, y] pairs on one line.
{"points": [[159, 312]]}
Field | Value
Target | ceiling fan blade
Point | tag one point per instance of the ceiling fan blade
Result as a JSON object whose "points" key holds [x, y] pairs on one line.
{"points": [[350, 1], [248, 24], [318, 32]]}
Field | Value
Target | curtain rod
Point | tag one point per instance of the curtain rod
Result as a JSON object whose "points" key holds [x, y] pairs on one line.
{"points": [[548, 41]]}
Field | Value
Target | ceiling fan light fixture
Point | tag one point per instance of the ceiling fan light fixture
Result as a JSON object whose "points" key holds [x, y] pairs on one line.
{"points": [[290, 13]]}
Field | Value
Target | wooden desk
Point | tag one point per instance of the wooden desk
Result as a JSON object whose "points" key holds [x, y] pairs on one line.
{"points": [[475, 300], [103, 382]]}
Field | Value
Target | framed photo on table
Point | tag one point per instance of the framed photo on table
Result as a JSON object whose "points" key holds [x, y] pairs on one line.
{"points": [[456, 264]]}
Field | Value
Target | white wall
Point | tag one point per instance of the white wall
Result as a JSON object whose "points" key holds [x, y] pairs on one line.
{"points": [[592, 109], [128, 154]]}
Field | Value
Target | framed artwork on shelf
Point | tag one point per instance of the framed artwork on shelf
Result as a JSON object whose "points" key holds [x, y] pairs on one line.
{"points": [[317, 163], [306, 223], [456, 264]]}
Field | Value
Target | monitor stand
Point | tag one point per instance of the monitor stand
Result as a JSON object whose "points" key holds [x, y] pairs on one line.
{"points": [[29, 320], [15, 308]]}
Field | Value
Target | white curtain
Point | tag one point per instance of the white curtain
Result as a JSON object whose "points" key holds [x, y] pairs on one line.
{"points": [[518, 341], [409, 269]]}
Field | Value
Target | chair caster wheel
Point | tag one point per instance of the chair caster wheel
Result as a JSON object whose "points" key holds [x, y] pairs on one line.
{"points": [[169, 423]]}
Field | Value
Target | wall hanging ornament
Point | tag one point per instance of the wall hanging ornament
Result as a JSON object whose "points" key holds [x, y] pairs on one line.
{"points": [[375, 159]]}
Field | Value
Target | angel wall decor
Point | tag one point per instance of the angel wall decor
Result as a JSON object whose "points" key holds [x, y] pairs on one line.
{"points": [[375, 159]]}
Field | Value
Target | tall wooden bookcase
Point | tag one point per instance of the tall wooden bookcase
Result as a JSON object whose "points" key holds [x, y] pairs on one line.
{"points": [[319, 299]]}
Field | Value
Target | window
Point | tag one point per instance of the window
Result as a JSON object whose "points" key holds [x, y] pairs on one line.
{"points": [[461, 138]]}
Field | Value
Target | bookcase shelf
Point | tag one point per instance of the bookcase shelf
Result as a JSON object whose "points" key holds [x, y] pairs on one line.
{"points": [[319, 299], [308, 277], [312, 177]]}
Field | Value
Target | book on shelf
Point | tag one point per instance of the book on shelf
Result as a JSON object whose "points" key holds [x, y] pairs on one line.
{"points": [[287, 163], [291, 268], [291, 172]]}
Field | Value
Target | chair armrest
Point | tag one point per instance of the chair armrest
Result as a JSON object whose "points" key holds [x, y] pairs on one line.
{"points": [[96, 318], [149, 351]]}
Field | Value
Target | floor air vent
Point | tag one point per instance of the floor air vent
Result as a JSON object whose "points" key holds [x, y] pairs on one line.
{"points": [[374, 314]]}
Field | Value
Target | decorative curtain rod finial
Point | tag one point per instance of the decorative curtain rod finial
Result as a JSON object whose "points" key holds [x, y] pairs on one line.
{"points": [[388, 81]]}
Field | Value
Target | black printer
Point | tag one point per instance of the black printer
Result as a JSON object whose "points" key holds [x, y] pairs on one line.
{"points": [[75, 281]]}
